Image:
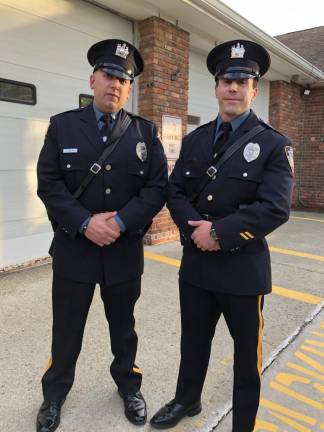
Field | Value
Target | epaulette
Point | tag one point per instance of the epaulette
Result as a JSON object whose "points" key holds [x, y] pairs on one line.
{"points": [[69, 111], [268, 126], [131, 114], [198, 128]]}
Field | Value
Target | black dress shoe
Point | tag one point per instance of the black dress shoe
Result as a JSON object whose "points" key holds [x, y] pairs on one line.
{"points": [[48, 417], [135, 407], [170, 415]]}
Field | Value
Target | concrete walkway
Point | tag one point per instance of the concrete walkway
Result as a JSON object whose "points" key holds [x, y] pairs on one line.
{"points": [[294, 320]]}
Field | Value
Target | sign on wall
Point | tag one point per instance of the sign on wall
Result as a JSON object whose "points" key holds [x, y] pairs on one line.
{"points": [[171, 139]]}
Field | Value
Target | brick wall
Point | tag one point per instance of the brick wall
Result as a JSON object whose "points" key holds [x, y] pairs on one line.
{"points": [[163, 47], [301, 118]]}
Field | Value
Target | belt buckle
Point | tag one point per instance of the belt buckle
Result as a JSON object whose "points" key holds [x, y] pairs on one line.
{"points": [[211, 172], [95, 168]]}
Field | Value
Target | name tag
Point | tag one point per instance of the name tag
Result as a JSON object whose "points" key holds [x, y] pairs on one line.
{"points": [[71, 150]]}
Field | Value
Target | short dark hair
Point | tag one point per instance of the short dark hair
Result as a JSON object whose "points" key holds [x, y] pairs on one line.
{"points": [[255, 81]]}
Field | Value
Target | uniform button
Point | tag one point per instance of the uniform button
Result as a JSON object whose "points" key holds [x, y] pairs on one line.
{"points": [[209, 197], [245, 174], [68, 166], [108, 190], [141, 172], [187, 172], [108, 167]]}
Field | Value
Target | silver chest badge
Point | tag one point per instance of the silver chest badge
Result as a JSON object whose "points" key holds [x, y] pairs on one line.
{"points": [[141, 151], [251, 151]]}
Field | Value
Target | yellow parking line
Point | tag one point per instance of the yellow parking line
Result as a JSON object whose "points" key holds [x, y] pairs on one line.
{"points": [[284, 292], [296, 295], [306, 218], [296, 253], [162, 258]]}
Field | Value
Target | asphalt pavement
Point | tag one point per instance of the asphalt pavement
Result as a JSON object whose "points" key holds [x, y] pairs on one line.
{"points": [[293, 345]]}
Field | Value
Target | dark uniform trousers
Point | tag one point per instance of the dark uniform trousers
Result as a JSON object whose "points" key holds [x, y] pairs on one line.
{"points": [[71, 303], [200, 312]]}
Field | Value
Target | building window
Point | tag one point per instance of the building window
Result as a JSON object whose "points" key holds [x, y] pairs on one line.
{"points": [[85, 100], [193, 120], [18, 92]]}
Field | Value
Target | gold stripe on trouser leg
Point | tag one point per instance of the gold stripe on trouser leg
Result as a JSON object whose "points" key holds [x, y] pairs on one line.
{"points": [[259, 347], [136, 370], [49, 364]]}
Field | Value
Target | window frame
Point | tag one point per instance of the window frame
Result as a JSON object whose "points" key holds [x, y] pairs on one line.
{"points": [[81, 95], [21, 84]]}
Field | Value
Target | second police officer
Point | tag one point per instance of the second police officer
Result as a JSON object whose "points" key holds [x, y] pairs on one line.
{"points": [[230, 187]]}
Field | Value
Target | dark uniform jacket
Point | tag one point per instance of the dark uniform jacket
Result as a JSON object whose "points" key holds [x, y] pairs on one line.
{"points": [[247, 199], [134, 188]]}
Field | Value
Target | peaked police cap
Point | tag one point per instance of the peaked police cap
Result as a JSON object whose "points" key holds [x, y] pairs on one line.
{"points": [[238, 59], [116, 57]]}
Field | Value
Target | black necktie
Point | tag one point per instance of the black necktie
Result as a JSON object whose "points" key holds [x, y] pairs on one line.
{"points": [[219, 145], [106, 128]]}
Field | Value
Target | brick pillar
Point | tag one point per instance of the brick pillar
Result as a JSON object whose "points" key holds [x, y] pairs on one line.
{"points": [[286, 113], [301, 118], [312, 161], [164, 47]]}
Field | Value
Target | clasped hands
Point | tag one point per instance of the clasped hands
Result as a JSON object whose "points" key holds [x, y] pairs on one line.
{"points": [[103, 229], [201, 236]]}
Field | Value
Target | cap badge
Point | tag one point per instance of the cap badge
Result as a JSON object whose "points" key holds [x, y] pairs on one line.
{"points": [[237, 51], [141, 151], [251, 151], [122, 50]]}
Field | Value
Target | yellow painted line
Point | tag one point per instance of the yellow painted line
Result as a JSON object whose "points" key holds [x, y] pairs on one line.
{"points": [[284, 292], [319, 387], [261, 425], [319, 334], [297, 254], [305, 371], [296, 395], [314, 342], [286, 411], [296, 295], [312, 350], [306, 218], [308, 360], [162, 258], [288, 378], [290, 422]]}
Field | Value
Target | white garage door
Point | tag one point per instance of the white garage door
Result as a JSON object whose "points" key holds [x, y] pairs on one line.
{"points": [[44, 44], [202, 102]]}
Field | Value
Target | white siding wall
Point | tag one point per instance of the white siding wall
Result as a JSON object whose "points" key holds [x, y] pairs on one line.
{"points": [[43, 43], [202, 101]]}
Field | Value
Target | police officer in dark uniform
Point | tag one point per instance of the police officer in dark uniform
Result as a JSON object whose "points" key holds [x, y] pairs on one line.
{"points": [[225, 202], [98, 238]]}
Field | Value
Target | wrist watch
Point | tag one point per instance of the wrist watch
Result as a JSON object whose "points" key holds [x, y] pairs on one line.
{"points": [[85, 226], [213, 234]]}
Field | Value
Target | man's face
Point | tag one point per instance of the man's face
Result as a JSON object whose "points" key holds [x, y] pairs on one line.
{"points": [[234, 96], [110, 92]]}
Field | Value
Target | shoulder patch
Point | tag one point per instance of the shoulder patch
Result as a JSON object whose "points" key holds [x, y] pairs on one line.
{"points": [[289, 151]]}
